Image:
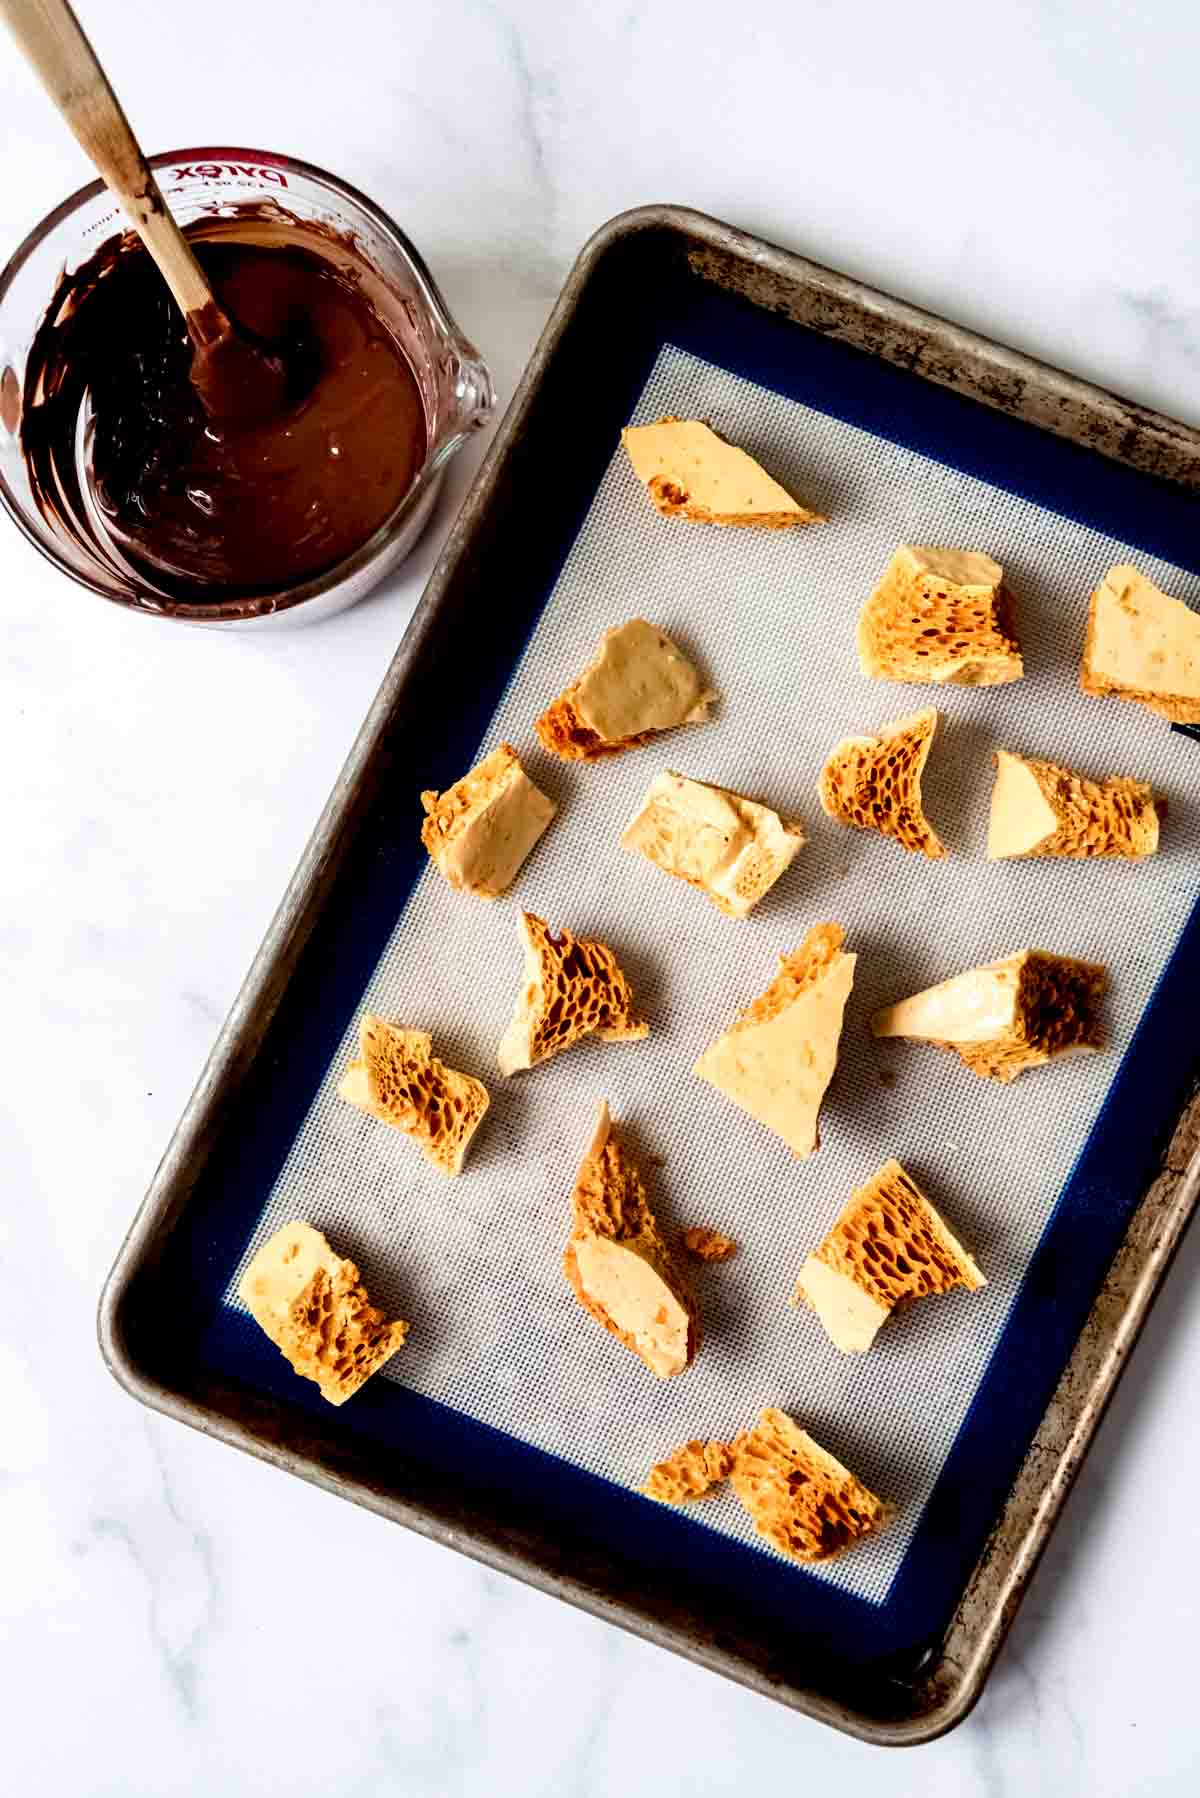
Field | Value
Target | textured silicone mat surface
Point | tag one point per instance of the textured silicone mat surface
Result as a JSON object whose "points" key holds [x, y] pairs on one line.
{"points": [[476, 1263]]}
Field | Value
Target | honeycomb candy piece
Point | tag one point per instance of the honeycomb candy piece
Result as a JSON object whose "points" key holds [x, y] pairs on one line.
{"points": [[480, 831], [889, 1244], [1040, 809], [691, 472], [802, 1499], [315, 1309], [940, 616], [640, 683], [728, 846], [874, 783], [1144, 646], [572, 986], [703, 1244], [620, 1267], [689, 1472], [397, 1079], [777, 1058], [1008, 1015]]}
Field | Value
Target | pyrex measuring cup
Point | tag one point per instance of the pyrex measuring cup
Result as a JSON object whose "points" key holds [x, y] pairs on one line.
{"points": [[224, 184]]}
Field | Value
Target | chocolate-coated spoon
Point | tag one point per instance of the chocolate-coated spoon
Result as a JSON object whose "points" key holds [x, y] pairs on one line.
{"points": [[236, 377]]}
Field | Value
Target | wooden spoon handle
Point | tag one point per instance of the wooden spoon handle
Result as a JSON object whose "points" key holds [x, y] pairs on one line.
{"points": [[52, 39]]}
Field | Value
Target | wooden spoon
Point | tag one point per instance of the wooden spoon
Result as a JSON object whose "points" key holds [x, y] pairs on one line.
{"points": [[236, 377]]}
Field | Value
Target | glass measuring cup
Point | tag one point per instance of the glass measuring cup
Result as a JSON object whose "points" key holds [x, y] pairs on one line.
{"points": [[213, 187]]}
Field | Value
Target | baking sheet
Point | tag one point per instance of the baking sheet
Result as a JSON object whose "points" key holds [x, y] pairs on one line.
{"points": [[476, 1263]]}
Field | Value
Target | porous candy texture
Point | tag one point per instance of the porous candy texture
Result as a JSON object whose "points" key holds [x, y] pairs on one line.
{"points": [[408, 1087], [703, 1244], [1113, 817], [573, 987], [920, 627], [335, 1336], [689, 1472], [801, 1498], [563, 732], [312, 1304], [610, 1200], [802, 969], [891, 1242], [1058, 1009], [874, 783]]}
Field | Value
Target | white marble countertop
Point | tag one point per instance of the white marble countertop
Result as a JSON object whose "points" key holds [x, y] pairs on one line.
{"points": [[177, 1619]]}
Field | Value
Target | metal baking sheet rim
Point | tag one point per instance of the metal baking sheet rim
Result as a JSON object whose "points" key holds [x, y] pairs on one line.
{"points": [[956, 1670]]}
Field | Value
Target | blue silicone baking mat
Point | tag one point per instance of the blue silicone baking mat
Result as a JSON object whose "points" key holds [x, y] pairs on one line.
{"points": [[504, 1380]]}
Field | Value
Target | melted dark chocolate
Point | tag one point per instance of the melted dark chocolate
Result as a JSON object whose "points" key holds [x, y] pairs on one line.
{"points": [[238, 379], [204, 507]]}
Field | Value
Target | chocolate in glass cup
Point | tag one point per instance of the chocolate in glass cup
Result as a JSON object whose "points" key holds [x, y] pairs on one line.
{"points": [[254, 199]]}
